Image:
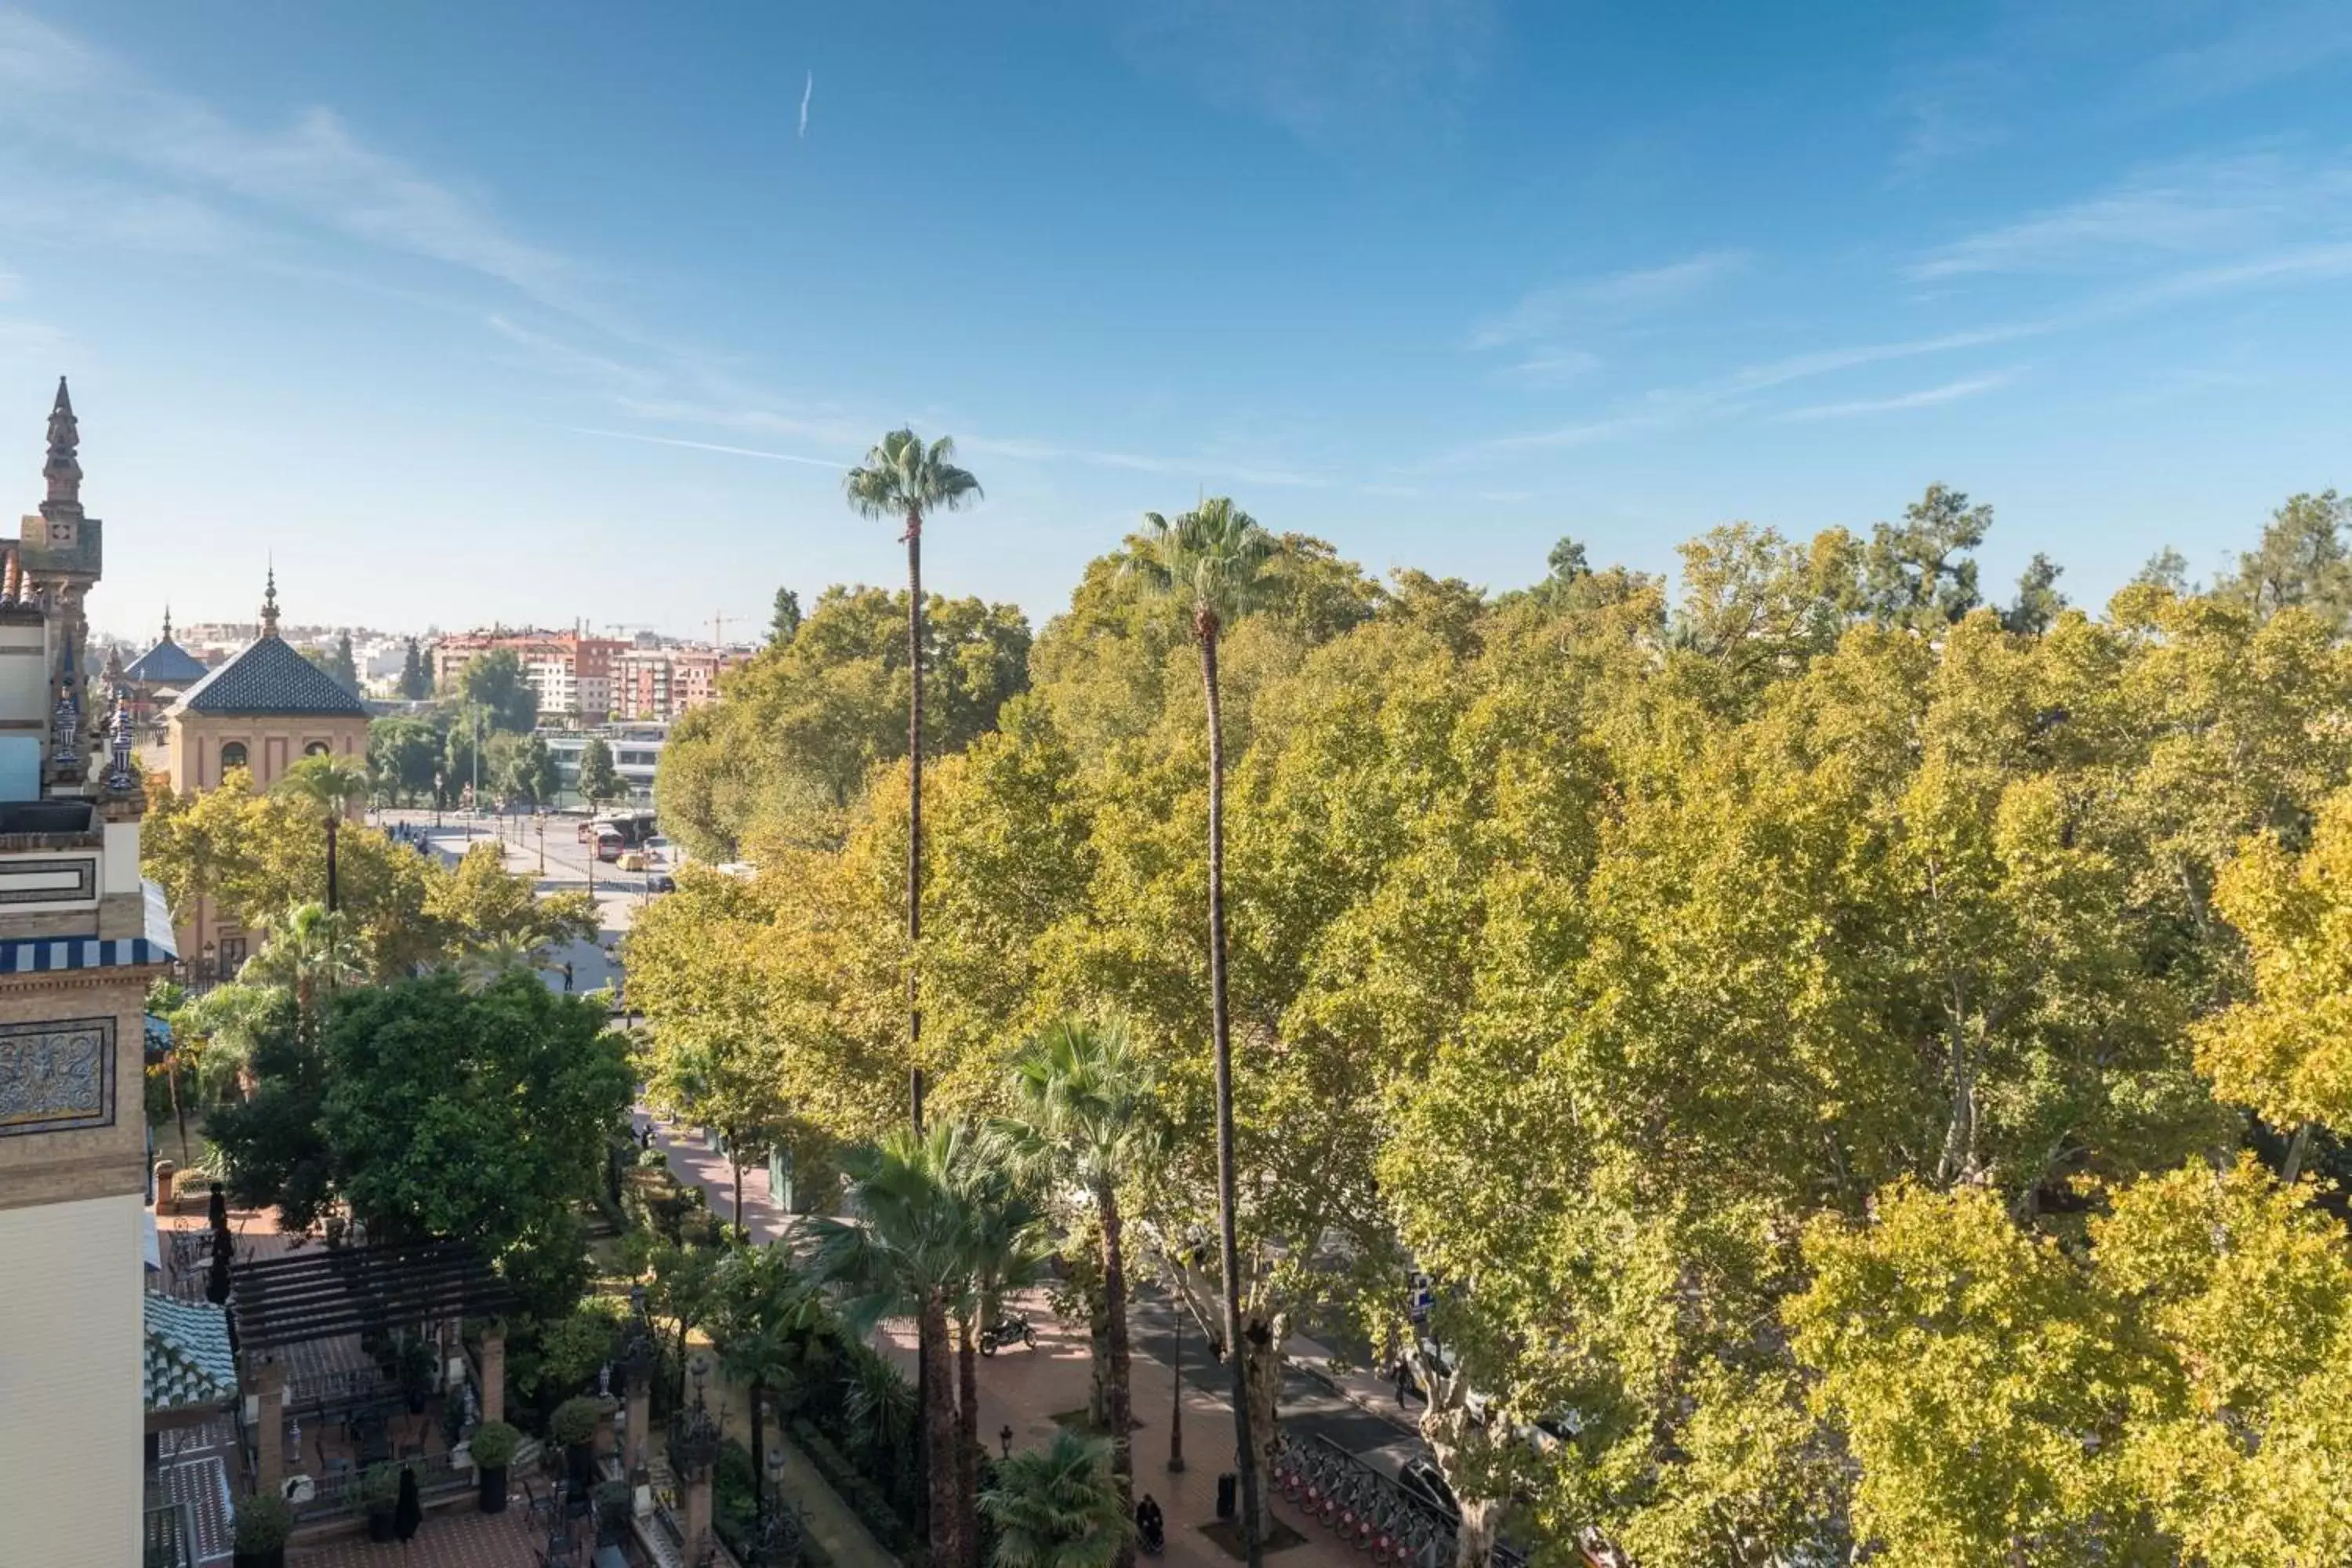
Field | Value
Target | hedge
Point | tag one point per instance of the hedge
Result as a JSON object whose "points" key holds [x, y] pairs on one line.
{"points": [[865, 1498]]}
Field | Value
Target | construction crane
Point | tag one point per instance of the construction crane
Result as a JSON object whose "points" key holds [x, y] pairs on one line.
{"points": [[719, 629]]}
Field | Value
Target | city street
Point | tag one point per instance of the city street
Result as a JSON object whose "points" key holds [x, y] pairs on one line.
{"points": [[568, 867]]}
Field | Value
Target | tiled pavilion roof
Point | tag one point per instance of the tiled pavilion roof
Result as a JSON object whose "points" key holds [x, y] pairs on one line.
{"points": [[188, 1360]]}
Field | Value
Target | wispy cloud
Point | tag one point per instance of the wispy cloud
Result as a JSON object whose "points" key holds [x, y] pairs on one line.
{"points": [[1328, 70], [2199, 207], [1205, 467], [1606, 300], [2255, 46], [315, 170], [1926, 397], [1553, 369], [834, 463], [808, 91]]}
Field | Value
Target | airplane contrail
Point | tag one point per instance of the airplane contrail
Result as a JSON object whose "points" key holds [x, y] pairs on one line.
{"points": [[807, 92]]}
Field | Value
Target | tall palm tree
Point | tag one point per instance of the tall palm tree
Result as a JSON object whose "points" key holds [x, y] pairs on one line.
{"points": [[1004, 1251], [1088, 1115], [309, 951], [1216, 564], [1056, 1507], [903, 479], [331, 788], [485, 964], [907, 1256]]}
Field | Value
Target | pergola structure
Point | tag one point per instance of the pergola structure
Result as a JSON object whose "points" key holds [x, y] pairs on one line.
{"points": [[330, 1293], [319, 1294]]}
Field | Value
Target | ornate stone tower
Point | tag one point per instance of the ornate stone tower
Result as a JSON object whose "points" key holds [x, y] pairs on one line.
{"points": [[62, 552]]}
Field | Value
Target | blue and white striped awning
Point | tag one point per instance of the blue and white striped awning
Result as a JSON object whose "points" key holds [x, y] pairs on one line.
{"points": [[42, 955]]}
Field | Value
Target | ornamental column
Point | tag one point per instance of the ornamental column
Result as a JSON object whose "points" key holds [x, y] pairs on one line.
{"points": [[494, 1373], [269, 1439]]}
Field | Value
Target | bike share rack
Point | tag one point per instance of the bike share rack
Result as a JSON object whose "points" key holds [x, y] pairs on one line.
{"points": [[1364, 1508]]}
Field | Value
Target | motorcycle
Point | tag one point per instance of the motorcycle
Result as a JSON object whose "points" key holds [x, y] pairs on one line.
{"points": [[1010, 1328]]}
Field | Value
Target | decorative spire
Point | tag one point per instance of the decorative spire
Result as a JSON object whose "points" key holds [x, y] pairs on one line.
{"points": [[63, 470], [167, 622], [64, 724], [269, 605], [120, 777]]}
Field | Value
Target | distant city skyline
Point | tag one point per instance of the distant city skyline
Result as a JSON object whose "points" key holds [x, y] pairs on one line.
{"points": [[471, 312]]}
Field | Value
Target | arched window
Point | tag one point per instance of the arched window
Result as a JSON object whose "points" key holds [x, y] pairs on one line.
{"points": [[232, 756], [318, 749]]}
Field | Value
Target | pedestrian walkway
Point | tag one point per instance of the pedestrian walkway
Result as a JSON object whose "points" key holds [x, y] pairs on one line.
{"points": [[838, 1533], [1025, 1389]]}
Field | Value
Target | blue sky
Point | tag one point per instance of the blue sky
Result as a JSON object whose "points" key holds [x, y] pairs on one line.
{"points": [[543, 312]]}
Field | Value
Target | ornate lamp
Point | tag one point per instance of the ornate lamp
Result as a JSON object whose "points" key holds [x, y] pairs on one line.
{"points": [[694, 1431]]}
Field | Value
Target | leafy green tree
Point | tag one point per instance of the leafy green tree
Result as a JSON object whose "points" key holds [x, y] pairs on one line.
{"points": [[2038, 599], [766, 1318], [255, 856], [1919, 573], [481, 906], [333, 789], [798, 734], [404, 755], [2167, 569], [2286, 1049], [476, 1114], [461, 760], [1212, 562], [904, 480], [1087, 1116], [416, 676], [599, 782], [342, 666], [494, 683], [528, 772], [2303, 561], [787, 621], [707, 1072], [1945, 1333], [1059, 1506], [907, 1257]]}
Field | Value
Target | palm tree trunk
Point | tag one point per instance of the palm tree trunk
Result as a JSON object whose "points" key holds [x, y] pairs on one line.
{"points": [[1229, 1249], [758, 1445], [331, 824], [1122, 1392], [968, 1442], [914, 813], [924, 1348], [939, 1435]]}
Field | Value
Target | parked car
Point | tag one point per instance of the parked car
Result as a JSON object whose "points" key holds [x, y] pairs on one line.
{"points": [[661, 882], [632, 861], [1420, 1476]]}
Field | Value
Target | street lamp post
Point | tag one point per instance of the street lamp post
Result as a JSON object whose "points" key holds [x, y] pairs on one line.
{"points": [[542, 843]]}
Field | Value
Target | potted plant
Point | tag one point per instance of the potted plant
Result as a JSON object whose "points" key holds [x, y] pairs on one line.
{"points": [[493, 1447], [380, 1494], [263, 1522], [573, 1425], [420, 1367]]}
